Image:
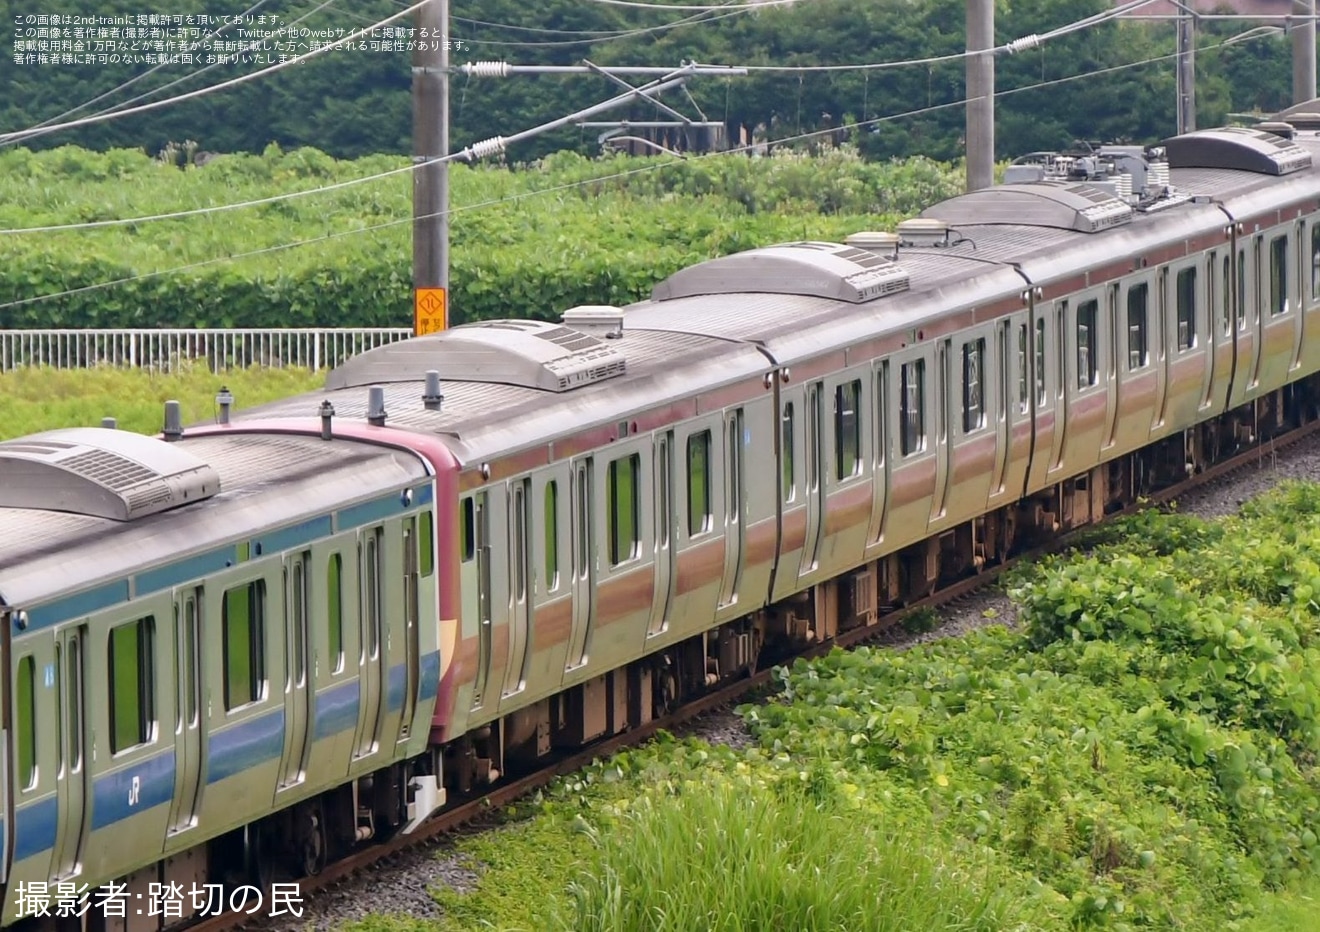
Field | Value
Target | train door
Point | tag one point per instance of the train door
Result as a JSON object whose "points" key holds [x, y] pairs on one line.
{"points": [[944, 395], [479, 531], [584, 562], [665, 523], [1212, 335], [815, 479], [412, 615], [71, 773], [1056, 342], [297, 701], [520, 571], [371, 656], [1302, 305], [188, 763], [734, 506], [1003, 421], [1256, 320], [880, 471]]}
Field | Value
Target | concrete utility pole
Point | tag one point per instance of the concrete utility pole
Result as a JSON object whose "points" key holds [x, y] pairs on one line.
{"points": [[430, 70], [1303, 36], [980, 94], [1186, 71]]}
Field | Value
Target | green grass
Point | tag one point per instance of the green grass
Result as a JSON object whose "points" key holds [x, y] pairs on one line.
{"points": [[37, 399], [1296, 909]]}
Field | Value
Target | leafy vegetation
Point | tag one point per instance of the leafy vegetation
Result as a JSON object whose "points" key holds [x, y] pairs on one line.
{"points": [[1141, 755], [606, 232], [353, 103], [33, 400]]}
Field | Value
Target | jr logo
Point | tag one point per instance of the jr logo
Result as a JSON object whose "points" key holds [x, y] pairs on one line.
{"points": [[133, 791]]}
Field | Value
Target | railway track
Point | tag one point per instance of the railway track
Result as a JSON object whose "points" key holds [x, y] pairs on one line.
{"points": [[473, 810]]}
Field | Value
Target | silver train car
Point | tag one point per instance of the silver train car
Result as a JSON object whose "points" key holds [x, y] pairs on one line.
{"points": [[241, 649]]}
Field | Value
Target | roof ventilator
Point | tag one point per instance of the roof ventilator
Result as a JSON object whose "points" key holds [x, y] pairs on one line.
{"points": [[808, 269], [432, 397], [599, 320], [109, 423], [1239, 148], [173, 422], [376, 406], [114, 474]]}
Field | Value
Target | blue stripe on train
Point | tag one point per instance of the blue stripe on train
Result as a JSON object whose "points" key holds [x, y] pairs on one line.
{"points": [[245, 745], [232, 750]]}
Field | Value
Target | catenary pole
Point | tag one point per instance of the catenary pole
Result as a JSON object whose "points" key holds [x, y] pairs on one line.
{"points": [[1186, 71], [430, 71], [980, 94], [1303, 49]]}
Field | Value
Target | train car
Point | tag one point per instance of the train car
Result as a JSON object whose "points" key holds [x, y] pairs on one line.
{"points": [[265, 640]]}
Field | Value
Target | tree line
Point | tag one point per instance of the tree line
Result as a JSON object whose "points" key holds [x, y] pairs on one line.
{"points": [[352, 103]]}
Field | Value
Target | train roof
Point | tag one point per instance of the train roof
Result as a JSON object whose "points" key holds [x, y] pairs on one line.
{"points": [[510, 385], [67, 532]]}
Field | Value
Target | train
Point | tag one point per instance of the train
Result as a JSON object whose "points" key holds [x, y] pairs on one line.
{"points": [[236, 650]]}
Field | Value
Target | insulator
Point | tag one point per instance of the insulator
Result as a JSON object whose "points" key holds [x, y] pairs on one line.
{"points": [[487, 69], [1023, 44], [492, 146]]}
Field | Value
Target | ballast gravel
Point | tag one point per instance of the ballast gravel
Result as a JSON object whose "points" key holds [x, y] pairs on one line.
{"points": [[401, 886]]}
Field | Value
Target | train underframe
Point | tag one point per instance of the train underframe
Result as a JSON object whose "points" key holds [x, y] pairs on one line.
{"points": [[299, 841]]}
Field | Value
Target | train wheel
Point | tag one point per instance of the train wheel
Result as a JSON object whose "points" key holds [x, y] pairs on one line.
{"points": [[310, 841], [259, 849]]}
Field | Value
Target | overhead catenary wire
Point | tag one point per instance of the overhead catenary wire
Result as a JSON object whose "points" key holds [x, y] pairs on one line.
{"points": [[554, 189]]}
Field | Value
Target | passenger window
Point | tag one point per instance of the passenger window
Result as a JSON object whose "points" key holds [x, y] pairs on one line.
{"points": [[698, 483], [131, 712], [847, 430], [973, 389], [335, 590], [1225, 288], [1024, 398], [622, 493], [912, 407], [26, 725], [1242, 289], [243, 628], [1315, 262], [551, 536], [1088, 339], [788, 487], [427, 543], [468, 530], [1186, 301], [1041, 384], [1138, 344], [1279, 275]]}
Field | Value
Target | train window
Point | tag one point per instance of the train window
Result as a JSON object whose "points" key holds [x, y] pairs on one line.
{"points": [[427, 543], [1279, 275], [1315, 262], [1088, 372], [335, 589], [1186, 301], [847, 430], [1242, 289], [1227, 292], [1024, 398], [372, 597], [131, 684], [912, 407], [1138, 344], [622, 479], [788, 487], [698, 483], [1041, 383], [243, 625], [468, 530], [551, 536], [26, 729], [973, 389]]}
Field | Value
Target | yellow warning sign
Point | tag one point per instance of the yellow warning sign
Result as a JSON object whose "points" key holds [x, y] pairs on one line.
{"points": [[430, 311]]}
